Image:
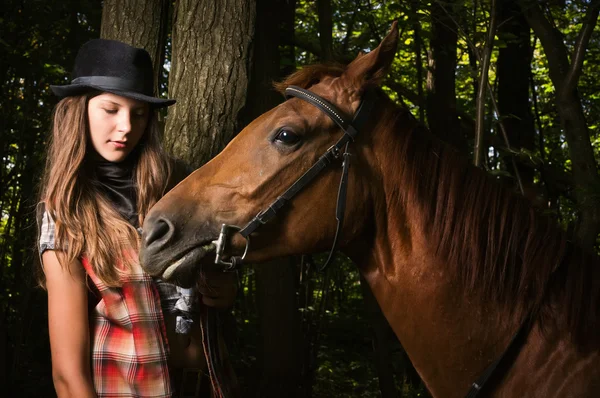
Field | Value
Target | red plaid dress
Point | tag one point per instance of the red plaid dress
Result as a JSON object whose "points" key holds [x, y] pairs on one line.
{"points": [[128, 338]]}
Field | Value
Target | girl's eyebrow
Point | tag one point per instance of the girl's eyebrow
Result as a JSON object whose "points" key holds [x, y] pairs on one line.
{"points": [[135, 108]]}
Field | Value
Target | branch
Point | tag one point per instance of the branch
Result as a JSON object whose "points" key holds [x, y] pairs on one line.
{"points": [[350, 28], [325, 29], [483, 79], [551, 40], [583, 39], [303, 42], [405, 92]]}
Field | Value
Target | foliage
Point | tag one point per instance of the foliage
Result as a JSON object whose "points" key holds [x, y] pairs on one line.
{"points": [[38, 40]]}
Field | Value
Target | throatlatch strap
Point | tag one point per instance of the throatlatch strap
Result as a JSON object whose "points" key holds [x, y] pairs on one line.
{"points": [[478, 385]]}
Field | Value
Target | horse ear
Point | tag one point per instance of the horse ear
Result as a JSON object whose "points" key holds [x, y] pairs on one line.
{"points": [[371, 68]]}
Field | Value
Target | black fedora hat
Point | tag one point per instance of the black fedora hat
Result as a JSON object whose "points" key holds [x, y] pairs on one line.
{"points": [[114, 67]]}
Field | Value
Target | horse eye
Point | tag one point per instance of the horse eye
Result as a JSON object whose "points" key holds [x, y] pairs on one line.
{"points": [[287, 137]]}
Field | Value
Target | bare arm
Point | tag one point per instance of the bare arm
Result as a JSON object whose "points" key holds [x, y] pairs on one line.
{"points": [[69, 328]]}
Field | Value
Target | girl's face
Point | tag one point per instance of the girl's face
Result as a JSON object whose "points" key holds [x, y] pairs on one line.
{"points": [[116, 124]]}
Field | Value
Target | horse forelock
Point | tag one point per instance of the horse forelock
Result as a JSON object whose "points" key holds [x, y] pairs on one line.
{"points": [[499, 247], [309, 76]]}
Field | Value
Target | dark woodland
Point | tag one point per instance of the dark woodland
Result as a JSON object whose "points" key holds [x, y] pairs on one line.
{"points": [[512, 84]]}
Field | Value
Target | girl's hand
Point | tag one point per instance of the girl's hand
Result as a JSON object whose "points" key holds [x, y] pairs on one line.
{"points": [[218, 289]]}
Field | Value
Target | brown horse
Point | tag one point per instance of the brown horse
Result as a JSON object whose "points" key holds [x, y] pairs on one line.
{"points": [[465, 271]]}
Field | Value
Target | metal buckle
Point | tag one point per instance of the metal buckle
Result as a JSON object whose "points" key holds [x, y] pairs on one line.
{"points": [[221, 245], [335, 151]]}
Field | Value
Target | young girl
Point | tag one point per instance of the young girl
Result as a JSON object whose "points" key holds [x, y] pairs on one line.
{"points": [[105, 169]]}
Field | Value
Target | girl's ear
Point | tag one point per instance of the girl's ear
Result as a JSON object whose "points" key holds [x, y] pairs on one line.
{"points": [[371, 68]]}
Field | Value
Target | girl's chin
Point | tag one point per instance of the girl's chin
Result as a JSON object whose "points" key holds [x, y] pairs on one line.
{"points": [[114, 156]]}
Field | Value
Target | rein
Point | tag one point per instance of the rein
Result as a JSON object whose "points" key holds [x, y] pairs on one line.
{"points": [[350, 129]]}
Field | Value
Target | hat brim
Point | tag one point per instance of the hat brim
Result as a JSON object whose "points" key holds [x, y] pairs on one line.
{"points": [[79, 89]]}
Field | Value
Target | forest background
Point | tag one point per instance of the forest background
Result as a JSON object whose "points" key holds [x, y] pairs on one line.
{"points": [[513, 84]]}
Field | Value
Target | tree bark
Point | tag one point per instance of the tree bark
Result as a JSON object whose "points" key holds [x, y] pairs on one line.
{"points": [[418, 61], [564, 76], [287, 34], [441, 87], [325, 29], [382, 336], [209, 75], [513, 72], [279, 323], [140, 23], [279, 329], [484, 66]]}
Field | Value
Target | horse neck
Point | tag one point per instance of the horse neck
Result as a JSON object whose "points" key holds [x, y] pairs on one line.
{"points": [[450, 336]]}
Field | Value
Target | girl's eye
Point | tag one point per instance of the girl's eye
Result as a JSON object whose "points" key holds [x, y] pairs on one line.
{"points": [[287, 137], [110, 111]]}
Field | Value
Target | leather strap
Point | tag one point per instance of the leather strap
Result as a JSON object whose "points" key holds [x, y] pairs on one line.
{"points": [[514, 344], [223, 380]]}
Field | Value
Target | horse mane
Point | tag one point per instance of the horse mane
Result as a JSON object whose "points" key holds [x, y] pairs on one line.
{"points": [[500, 247]]}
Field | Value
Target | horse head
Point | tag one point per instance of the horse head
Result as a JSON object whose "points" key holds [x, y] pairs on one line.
{"points": [[265, 158]]}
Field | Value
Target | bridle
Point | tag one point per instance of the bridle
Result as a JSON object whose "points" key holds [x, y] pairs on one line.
{"points": [[350, 129]]}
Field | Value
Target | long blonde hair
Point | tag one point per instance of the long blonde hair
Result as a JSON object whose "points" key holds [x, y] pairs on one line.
{"points": [[86, 223]]}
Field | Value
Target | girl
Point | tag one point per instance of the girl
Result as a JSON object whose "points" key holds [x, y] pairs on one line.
{"points": [[104, 171]]}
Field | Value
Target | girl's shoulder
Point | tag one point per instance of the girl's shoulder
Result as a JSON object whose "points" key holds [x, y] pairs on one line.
{"points": [[46, 229]]}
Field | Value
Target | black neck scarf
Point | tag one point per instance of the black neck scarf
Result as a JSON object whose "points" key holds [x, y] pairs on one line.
{"points": [[116, 181]]}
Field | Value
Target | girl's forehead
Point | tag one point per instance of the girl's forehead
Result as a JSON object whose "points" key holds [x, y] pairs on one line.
{"points": [[118, 100]]}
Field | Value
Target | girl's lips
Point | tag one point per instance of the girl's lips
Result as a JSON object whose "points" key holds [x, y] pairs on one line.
{"points": [[118, 144]]}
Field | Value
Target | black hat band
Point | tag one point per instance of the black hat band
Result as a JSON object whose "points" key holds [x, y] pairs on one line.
{"points": [[110, 83]]}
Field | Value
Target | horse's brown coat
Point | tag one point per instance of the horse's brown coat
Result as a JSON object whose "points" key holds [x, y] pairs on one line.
{"points": [[455, 261]]}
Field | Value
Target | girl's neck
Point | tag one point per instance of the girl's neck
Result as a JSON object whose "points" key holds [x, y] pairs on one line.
{"points": [[117, 182]]}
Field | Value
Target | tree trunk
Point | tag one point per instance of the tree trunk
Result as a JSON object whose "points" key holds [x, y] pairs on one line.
{"points": [[25, 232], [287, 34], [3, 349], [382, 336], [209, 76], [279, 323], [513, 71], [418, 61], [266, 60], [140, 23], [441, 89], [484, 66], [279, 329], [564, 76], [325, 29]]}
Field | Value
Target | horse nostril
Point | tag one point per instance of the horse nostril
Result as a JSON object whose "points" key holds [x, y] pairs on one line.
{"points": [[158, 233]]}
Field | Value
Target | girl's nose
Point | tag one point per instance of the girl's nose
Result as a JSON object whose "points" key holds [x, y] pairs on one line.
{"points": [[124, 124]]}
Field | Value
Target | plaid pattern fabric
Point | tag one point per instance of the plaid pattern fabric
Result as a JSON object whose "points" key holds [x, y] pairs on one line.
{"points": [[47, 227], [179, 301], [129, 343]]}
